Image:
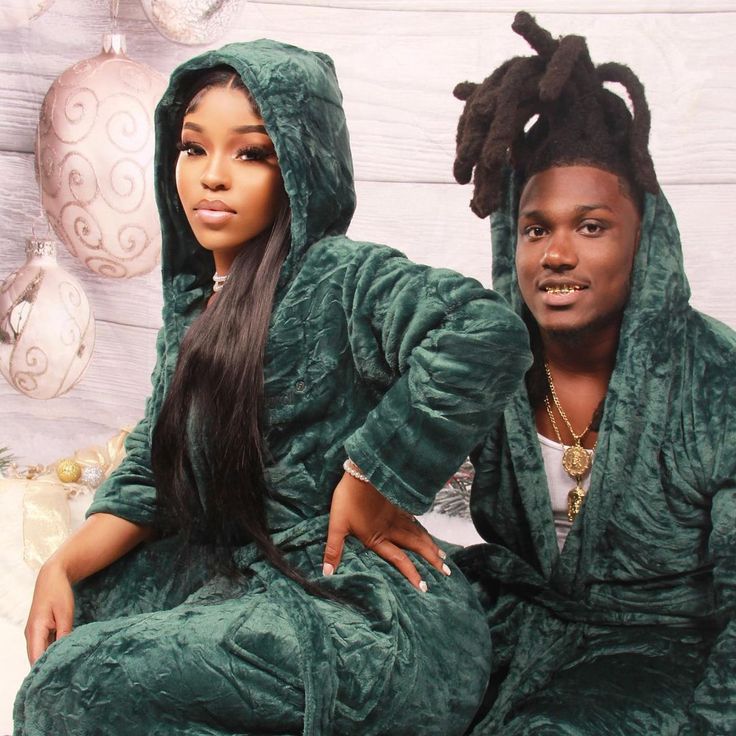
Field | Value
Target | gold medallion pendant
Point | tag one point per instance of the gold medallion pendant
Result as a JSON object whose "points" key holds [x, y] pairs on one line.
{"points": [[576, 461]]}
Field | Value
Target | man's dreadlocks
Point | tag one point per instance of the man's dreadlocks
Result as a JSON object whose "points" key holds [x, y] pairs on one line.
{"points": [[580, 121]]}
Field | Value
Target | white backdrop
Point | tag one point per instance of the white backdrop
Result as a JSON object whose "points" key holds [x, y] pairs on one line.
{"points": [[397, 62]]}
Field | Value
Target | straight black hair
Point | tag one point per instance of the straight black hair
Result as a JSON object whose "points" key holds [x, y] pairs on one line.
{"points": [[214, 411]]}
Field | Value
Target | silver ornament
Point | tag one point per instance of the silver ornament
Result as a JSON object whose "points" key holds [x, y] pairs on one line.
{"points": [[92, 475], [192, 22]]}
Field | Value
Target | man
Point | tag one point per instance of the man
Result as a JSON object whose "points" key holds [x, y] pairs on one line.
{"points": [[607, 493]]}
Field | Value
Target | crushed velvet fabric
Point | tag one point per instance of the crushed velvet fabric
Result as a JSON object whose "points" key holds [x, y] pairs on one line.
{"points": [[398, 365], [630, 629]]}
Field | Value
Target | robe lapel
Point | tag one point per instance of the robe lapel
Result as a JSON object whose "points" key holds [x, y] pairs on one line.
{"points": [[526, 457]]}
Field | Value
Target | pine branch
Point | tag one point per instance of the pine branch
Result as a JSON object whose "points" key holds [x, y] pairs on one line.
{"points": [[6, 458]]}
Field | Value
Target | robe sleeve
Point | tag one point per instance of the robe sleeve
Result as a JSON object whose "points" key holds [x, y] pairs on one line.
{"points": [[452, 352], [130, 492], [713, 709]]}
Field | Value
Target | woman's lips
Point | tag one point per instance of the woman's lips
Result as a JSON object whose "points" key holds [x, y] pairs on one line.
{"points": [[213, 218]]}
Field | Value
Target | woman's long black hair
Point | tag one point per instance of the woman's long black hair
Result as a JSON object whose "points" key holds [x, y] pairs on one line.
{"points": [[216, 399]]}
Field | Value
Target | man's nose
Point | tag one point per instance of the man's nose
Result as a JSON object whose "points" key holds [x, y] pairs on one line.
{"points": [[560, 253]]}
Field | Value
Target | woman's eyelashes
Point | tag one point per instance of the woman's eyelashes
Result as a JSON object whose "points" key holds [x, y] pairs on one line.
{"points": [[254, 153], [247, 153], [191, 149]]}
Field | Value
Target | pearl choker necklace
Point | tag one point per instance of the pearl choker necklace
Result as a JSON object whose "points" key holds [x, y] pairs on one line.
{"points": [[219, 281]]}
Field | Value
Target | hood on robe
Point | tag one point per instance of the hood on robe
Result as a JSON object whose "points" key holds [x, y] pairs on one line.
{"points": [[640, 394], [301, 104]]}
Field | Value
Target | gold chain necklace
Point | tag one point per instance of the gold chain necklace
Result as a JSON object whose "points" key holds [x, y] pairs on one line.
{"points": [[576, 460]]}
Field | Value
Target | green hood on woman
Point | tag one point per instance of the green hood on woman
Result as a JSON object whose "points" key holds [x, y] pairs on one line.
{"points": [[299, 98]]}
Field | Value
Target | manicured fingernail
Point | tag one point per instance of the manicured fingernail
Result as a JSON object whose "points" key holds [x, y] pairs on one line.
{"points": [[442, 554], [446, 570], [327, 569], [423, 586]]}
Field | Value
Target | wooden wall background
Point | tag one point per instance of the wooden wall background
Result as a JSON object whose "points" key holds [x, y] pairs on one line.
{"points": [[398, 61]]}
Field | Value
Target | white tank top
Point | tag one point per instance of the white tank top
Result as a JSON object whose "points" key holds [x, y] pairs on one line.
{"points": [[559, 484]]}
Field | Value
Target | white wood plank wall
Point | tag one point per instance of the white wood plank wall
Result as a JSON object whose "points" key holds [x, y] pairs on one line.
{"points": [[397, 62]]}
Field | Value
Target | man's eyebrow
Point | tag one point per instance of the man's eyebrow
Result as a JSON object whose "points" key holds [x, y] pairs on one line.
{"points": [[533, 214], [579, 209], [582, 208]]}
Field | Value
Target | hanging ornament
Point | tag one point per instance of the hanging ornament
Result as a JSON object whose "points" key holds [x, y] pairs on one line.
{"points": [[19, 13], [47, 330], [192, 22], [94, 157]]}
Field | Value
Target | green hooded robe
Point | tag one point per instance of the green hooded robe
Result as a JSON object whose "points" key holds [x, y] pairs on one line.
{"points": [[630, 630], [401, 367]]}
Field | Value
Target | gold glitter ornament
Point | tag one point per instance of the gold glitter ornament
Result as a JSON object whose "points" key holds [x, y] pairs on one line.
{"points": [[68, 470]]}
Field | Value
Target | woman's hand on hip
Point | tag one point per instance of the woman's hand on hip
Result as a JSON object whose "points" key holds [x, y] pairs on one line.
{"points": [[360, 510]]}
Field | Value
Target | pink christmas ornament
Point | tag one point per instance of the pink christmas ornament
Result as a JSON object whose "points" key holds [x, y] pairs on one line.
{"points": [[94, 158], [19, 13], [47, 330]]}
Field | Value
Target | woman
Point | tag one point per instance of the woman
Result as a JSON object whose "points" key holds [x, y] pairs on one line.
{"points": [[316, 353], [606, 491]]}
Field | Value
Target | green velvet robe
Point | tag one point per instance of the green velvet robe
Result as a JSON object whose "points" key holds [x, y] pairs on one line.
{"points": [[630, 629], [400, 366]]}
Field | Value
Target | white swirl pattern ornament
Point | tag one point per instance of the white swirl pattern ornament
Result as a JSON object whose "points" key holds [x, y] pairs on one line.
{"points": [[192, 22], [94, 161], [47, 330]]}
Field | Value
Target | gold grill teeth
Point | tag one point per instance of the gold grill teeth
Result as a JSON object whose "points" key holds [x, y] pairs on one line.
{"points": [[561, 289]]}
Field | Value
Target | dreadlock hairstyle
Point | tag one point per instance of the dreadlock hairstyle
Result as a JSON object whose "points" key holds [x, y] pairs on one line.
{"points": [[579, 120]]}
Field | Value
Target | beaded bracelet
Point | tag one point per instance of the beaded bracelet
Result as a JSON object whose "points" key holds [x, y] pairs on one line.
{"points": [[352, 469]]}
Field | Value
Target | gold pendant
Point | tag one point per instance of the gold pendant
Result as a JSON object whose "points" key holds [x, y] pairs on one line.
{"points": [[576, 461], [575, 500]]}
